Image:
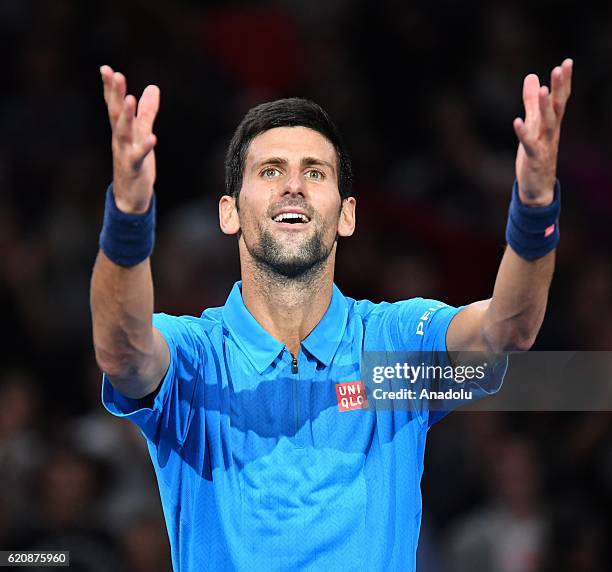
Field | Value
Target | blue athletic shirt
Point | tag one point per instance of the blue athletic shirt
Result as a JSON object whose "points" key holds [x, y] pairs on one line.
{"points": [[258, 469]]}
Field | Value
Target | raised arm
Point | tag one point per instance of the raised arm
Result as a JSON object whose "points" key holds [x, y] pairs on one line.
{"points": [[511, 319], [128, 348]]}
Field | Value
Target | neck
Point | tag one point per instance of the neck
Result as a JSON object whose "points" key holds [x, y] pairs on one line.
{"points": [[288, 308]]}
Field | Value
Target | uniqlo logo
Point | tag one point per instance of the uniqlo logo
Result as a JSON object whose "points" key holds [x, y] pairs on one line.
{"points": [[351, 395]]}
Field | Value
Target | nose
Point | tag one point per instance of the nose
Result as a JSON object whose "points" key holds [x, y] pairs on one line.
{"points": [[294, 185]]}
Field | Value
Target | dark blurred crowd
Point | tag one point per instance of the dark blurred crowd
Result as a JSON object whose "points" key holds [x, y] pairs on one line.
{"points": [[425, 94]]}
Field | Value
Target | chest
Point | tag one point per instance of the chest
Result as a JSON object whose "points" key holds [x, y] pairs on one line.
{"points": [[294, 399]]}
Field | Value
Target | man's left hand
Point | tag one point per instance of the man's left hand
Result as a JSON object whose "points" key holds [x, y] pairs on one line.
{"points": [[538, 134]]}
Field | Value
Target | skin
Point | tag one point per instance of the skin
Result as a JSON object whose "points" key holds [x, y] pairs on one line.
{"points": [[279, 173], [286, 290], [128, 348]]}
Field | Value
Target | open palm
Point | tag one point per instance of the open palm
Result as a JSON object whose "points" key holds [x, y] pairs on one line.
{"points": [[132, 141], [538, 134]]}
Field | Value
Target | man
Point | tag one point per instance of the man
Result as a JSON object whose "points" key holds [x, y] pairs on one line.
{"points": [[258, 462]]}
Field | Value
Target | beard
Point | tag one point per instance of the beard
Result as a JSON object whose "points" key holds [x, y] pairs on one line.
{"points": [[281, 259]]}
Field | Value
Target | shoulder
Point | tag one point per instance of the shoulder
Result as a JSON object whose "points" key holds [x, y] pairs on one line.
{"points": [[412, 308], [412, 324], [189, 328]]}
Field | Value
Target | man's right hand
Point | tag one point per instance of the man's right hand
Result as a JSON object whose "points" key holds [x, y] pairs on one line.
{"points": [[132, 142]]}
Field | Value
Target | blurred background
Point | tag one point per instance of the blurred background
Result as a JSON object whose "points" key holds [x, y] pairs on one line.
{"points": [[425, 94]]}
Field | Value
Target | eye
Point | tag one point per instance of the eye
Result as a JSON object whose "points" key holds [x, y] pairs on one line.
{"points": [[270, 172], [315, 174]]}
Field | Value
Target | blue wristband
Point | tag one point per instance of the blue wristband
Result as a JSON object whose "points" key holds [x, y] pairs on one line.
{"points": [[127, 239], [533, 232]]}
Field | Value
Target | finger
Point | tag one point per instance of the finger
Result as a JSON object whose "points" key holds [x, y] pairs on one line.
{"points": [[568, 68], [524, 136], [141, 152], [561, 86], [547, 114], [531, 85], [124, 128], [118, 89], [148, 107], [106, 72], [557, 90]]}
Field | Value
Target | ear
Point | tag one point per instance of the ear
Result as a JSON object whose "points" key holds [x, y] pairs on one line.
{"points": [[346, 223], [228, 215]]}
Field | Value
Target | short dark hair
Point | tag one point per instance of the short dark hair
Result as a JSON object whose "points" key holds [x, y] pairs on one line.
{"points": [[290, 112]]}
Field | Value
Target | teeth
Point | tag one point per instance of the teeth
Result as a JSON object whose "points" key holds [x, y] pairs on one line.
{"points": [[291, 216]]}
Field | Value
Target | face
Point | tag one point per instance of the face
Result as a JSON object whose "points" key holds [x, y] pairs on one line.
{"points": [[289, 212]]}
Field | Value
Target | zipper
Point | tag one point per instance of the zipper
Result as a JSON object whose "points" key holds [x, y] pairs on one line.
{"points": [[294, 367], [296, 393]]}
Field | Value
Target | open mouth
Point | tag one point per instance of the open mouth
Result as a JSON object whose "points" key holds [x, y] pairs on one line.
{"points": [[292, 218]]}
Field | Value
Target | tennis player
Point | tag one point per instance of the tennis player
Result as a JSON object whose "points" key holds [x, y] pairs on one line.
{"points": [[254, 413]]}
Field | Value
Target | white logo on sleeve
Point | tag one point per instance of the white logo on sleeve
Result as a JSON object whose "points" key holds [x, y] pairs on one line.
{"points": [[425, 317]]}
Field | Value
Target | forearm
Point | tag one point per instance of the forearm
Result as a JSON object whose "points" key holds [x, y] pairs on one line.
{"points": [[515, 313], [125, 342]]}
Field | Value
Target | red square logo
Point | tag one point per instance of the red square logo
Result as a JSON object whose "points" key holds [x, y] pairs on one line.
{"points": [[351, 395]]}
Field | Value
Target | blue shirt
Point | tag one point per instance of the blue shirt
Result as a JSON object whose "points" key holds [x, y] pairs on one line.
{"points": [[257, 466]]}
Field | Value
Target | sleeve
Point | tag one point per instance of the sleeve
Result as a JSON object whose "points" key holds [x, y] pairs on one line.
{"points": [[418, 330], [172, 408], [420, 325]]}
